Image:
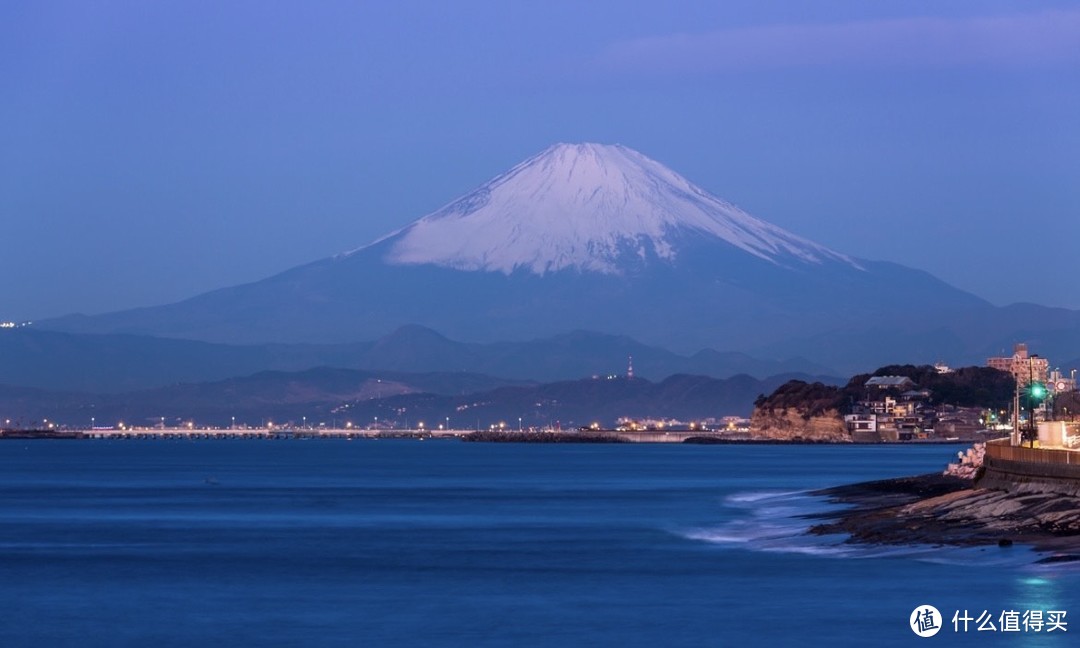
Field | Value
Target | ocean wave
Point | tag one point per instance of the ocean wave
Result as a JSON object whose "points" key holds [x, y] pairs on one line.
{"points": [[773, 538], [751, 497], [777, 522]]}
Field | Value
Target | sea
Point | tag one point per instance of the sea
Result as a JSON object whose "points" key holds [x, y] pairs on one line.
{"points": [[444, 543]]}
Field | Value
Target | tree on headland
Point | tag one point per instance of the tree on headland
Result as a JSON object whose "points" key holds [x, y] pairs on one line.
{"points": [[809, 399], [965, 387]]}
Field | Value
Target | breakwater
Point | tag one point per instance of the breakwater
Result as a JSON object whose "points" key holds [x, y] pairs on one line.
{"points": [[506, 436], [227, 433]]}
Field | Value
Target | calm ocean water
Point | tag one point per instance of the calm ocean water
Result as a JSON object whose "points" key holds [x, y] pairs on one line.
{"points": [[441, 543]]}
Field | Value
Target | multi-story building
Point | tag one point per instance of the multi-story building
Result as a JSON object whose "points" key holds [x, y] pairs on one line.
{"points": [[1022, 366]]}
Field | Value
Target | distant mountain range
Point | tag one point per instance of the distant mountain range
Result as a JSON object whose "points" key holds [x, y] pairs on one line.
{"points": [[119, 363], [601, 238], [581, 402], [348, 397]]}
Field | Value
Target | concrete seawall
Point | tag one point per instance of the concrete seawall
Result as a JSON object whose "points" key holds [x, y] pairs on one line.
{"points": [[1030, 470]]}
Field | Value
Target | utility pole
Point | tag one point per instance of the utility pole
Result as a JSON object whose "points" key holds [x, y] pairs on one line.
{"points": [[1032, 433], [1036, 394], [1017, 438]]}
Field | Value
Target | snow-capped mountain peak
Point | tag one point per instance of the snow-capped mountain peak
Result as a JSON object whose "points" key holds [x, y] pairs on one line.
{"points": [[587, 207]]}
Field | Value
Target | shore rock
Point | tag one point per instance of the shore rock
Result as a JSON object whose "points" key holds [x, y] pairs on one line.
{"points": [[945, 509], [791, 425]]}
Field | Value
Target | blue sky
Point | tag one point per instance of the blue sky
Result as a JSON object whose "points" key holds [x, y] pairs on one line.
{"points": [[152, 151]]}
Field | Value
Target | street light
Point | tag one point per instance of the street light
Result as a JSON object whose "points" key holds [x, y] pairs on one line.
{"points": [[1035, 394]]}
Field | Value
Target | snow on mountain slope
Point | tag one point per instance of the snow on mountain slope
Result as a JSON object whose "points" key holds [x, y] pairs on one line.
{"points": [[575, 238], [587, 207]]}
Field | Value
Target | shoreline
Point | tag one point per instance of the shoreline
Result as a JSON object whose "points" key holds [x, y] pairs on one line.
{"points": [[473, 436], [935, 509]]}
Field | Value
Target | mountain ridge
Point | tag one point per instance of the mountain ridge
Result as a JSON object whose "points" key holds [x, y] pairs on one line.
{"points": [[116, 363], [685, 289], [343, 397]]}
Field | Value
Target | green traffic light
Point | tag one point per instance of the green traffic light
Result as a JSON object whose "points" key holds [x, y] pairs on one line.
{"points": [[1037, 391]]}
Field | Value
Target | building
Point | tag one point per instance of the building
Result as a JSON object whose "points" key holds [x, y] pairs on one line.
{"points": [[1022, 366], [1059, 383], [890, 382]]}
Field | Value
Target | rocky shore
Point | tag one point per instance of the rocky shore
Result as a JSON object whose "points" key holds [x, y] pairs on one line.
{"points": [[945, 509]]}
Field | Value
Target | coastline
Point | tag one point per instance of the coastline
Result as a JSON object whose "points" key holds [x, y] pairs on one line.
{"points": [[935, 509], [481, 436]]}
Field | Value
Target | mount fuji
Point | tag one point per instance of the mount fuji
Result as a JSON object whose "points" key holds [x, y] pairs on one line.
{"points": [[590, 208], [585, 237]]}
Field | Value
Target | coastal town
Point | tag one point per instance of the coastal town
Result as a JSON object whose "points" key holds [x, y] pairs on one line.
{"points": [[897, 409], [898, 404]]}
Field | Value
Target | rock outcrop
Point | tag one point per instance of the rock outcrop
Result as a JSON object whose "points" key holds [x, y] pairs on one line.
{"points": [[790, 424], [945, 509]]}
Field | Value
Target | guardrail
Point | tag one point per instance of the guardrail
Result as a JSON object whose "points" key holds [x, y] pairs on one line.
{"points": [[1000, 449]]}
